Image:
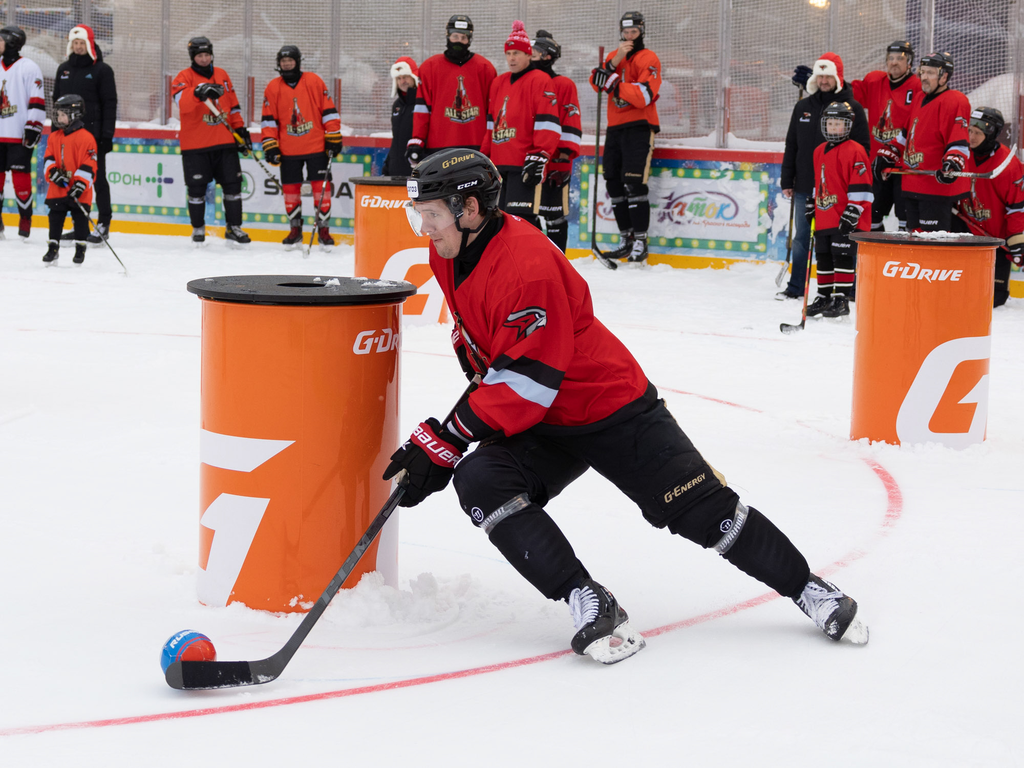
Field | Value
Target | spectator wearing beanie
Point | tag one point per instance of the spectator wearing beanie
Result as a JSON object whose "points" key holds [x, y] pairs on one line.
{"points": [[86, 74], [405, 80], [825, 84]]}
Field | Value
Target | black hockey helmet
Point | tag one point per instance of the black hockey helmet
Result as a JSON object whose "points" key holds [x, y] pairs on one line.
{"points": [[289, 52], [942, 60], [71, 105], [453, 175], [199, 45], [989, 121], [837, 110], [461, 23], [547, 45], [632, 19], [901, 46], [14, 38]]}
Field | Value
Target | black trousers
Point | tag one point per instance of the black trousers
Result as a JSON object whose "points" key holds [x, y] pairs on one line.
{"points": [[101, 190], [518, 198], [888, 193], [929, 214], [60, 207]]}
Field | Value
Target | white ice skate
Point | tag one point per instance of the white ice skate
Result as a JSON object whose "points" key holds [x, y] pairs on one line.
{"points": [[602, 627], [834, 612]]}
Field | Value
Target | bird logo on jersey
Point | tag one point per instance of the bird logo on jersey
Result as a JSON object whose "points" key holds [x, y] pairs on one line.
{"points": [[824, 200], [6, 108], [860, 167], [552, 98], [571, 110], [885, 131], [911, 158], [1019, 183], [502, 132], [461, 110], [526, 321], [961, 120], [297, 126]]}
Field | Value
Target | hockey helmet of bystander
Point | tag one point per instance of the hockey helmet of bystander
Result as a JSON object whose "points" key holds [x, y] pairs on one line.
{"points": [[14, 39], [632, 19], [67, 110], [460, 23], [545, 45], [941, 61], [989, 121], [837, 122], [199, 45]]}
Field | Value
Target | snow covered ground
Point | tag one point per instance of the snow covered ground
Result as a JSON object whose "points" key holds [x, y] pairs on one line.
{"points": [[464, 664]]}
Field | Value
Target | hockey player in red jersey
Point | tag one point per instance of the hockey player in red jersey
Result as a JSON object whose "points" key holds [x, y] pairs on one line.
{"points": [[523, 132], [451, 101], [209, 152], [554, 196], [301, 132], [841, 204], [70, 167], [995, 207], [886, 95], [631, 76], [934, 138], [22, 112], [558, 394]]}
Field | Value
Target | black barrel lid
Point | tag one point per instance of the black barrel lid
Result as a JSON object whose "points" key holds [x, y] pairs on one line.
{"points": [[321, 290], [926, 238], [380, 181]]}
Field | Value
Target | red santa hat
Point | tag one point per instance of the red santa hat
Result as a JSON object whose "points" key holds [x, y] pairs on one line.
{"points": [[403, 66], [828, 64], [519, 40], [82, 32]]}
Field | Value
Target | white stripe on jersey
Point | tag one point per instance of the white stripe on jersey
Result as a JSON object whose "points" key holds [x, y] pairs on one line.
{"points": [[23, 81]]}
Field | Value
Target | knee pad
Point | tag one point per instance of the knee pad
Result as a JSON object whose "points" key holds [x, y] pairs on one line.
{"points": [[761, 550], [636, 192], [615, 188], [490, 487], [197, 194]]}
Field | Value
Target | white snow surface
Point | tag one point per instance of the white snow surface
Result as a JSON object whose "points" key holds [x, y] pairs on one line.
{"points": [[465, 664]]}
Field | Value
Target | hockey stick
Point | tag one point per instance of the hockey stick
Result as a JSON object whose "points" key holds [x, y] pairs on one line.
{"points": [[204, 675], [92, 228], [962, 174], [786, 327], [316, 214], [789, 235], [598, 253], [241, 142]]}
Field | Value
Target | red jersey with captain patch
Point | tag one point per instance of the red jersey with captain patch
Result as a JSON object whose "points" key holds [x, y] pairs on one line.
{"points": [[200, 130], [995, 207], [631, 101], [298, 117], [528, 315], [887, 105], [842, 175], [74, 153], [451, 102], [934, 127], [522, 118]]}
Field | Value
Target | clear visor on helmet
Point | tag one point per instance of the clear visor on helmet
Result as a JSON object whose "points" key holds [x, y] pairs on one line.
{"points": [[836, 129], [428, 217], [982, 125]]}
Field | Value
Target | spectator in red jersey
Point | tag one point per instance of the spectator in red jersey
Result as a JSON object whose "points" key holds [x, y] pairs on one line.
{"points": [[404, 82]]}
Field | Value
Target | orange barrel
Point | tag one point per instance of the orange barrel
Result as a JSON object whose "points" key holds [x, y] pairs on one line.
{"points": [[299, 414], [387, 248], [921, 356]]}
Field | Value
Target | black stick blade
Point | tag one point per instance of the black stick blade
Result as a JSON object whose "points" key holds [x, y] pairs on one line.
{"points": [[610, 263], [787, 328], [204, 675]]}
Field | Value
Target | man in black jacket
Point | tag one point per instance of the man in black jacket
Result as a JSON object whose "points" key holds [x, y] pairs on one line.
{"points": [[825, 85], [86, 74], [404, 81]]}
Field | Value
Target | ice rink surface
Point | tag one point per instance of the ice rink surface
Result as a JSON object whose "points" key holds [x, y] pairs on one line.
{"points": [[465, 664]]}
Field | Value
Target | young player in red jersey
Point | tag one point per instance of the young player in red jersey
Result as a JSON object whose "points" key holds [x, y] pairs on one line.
{"points": [[209, 152], [841, 204], [934, 138], [995, 207], [559, 394], [631, 76], [301, 132], [451, 102], [886, 95], [70, 166], [554, 197], [523, 128]]}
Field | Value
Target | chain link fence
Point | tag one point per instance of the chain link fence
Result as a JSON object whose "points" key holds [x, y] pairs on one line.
{"points": [[726, 64]]}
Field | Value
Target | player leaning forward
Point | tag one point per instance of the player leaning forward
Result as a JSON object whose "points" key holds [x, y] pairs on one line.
{"points": [[209, 151], [560, 394]]}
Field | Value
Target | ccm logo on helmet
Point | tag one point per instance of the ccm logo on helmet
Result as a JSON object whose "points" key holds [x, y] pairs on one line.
{"points": [[376, 201], [472, 183], [912, 271], [454, 160]]}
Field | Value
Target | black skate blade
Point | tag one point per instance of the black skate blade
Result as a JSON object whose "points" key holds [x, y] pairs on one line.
{"points": [[207, 675]]}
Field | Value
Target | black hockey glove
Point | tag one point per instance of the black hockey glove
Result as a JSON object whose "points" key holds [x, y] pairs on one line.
{"points": [[886, 159], [332, 144], [414, 154], [1015, 246], [58, 176], [559, 173], [429, 456], [801, 75], [205, 91], [809, 210], [849, 219], [952, 164], [246, 146], [76, 189], [605, 79], [30, 137], [271, 151], [533, 169]]}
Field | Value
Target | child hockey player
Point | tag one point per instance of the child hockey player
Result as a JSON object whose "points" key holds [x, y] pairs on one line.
{"points": [[70, 167]]}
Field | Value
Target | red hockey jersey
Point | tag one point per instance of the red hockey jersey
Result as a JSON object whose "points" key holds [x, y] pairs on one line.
{"points": [[522, 118], [995, 207], [568, 117], [451, 102], [934, 127], [76, 154], [631, 101], [297, 118], [887, 105], [200, 130], [528, 315], [842, 175]]}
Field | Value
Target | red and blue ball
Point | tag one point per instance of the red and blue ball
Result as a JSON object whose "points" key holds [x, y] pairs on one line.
{"points": [[187, 645]]}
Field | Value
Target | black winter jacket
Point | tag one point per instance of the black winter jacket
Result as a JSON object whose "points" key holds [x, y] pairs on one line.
{"points": [[805, 134], [94, 82], [395, 163]]}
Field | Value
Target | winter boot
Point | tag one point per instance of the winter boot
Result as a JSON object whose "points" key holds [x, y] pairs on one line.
{"points": [[818, 306], [234, 234], [198, 235], [788, 294], [839, 306], [295, 235], [79, 253], [52, 252], [834, 613], [625, 247], [99, 234], [638, 253], [602, 626]]}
